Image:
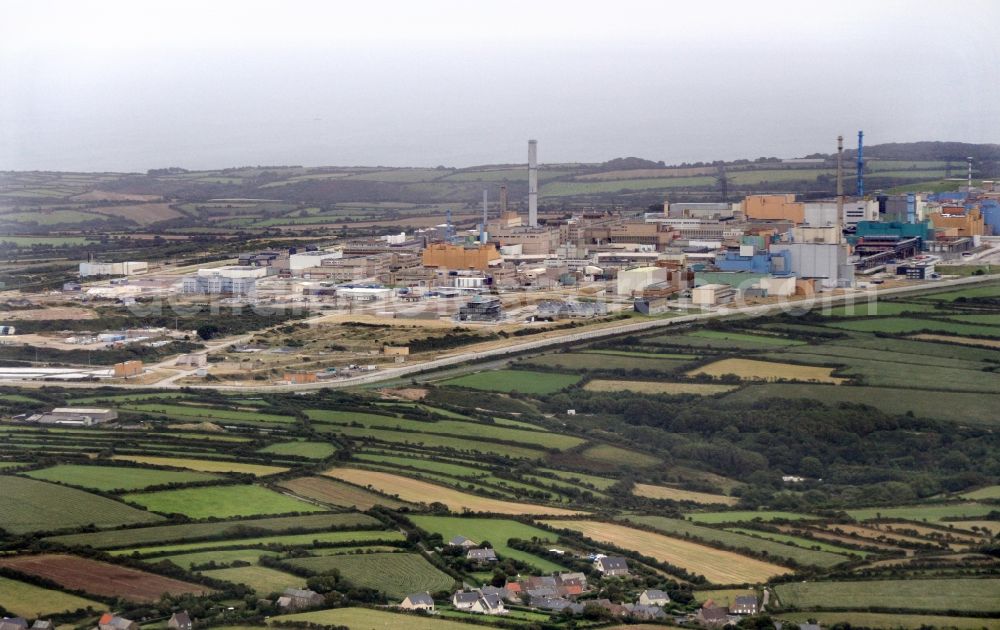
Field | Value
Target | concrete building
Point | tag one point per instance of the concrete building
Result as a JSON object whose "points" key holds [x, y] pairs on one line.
{"points": [[446, 256], [958, 221], [533, 241], [233, 280], [825, 212], [305, 260], [774, 208], [75, 416], [712, 211], [632, 281], [130, 268], [712, 294], [481, 309], [825, 262]]}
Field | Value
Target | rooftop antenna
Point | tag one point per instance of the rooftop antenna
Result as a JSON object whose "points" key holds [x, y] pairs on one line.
{"points": [[861, 164]]}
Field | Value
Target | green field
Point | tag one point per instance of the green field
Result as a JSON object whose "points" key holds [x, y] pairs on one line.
{"points": [[495, 531], [987, 493], [431, 440], [220, 502], [738, 516], [591, 361], [445, 468], [775, 550], [286, 540], [905, 325], [28, 600], [647, 355], [28, 505], [879, 308], [396, 574], [886, 620], [515, 381], [263, 580], [309, 450], [167, 533], [371, 619], [210, 414], [107, 478], [932, 512], [798, 541], [990, 290], [982, 595], [763, 340], [617, 456], [601, 483], [220, 557]]}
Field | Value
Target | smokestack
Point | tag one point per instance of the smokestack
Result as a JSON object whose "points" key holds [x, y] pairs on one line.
{"points": [[503, 199], [840, 179], [482, 230], [533, 183], [861, 164], [970, 174]]}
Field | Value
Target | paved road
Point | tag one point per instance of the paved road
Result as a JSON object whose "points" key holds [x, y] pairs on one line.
{"points": [[859, 297]]}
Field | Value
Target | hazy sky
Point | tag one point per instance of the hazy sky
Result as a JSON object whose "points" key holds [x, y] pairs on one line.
{"points": [[134, 85]]}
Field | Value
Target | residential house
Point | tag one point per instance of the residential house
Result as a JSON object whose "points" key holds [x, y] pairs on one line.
{"points": [[13, 623], [744, 605], [500, 592], [489, 605], [559, 604], [180, 621], [611, 566], [418, 601], [462, 541], [653, 597], [616, 610], [299, 599], [646, 612], [43, 624], [481, 555], [514, 590], [111, 621], [779, 625], [464, 600], [711, 615]]}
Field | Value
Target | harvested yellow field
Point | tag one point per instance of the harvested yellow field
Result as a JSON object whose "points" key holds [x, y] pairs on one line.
{"points": [[751, 370], [676, 494], [967, 341], [990, 526], [204, 465], [416, 491], [654, 387], [719, 567]]}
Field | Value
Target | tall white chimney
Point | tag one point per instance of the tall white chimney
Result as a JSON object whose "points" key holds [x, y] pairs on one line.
{"points": [[533, 183]]}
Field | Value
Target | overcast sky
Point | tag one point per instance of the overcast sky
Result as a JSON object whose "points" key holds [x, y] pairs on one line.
{"points": [[134, 85]]}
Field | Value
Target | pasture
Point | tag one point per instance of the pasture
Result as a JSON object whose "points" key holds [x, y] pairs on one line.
{"points": [[716, 565], [751, 370], [651, 491], [496, 531], [309, 450], [742, 516], [987, 493], [923, 512], [100, 578], [432, 440], [888, 620], [592, 361], [220, 502], [337, 493], [522, 381], [777, 550], [657, 387], [906, 325], [30, 601], [167, 533], [419, 463], [220, 557], [283, 540], [373, 619], [262, 580], [762, 340], [108, 478], [28, 505], [204, 465], [210, 414], [416, 491], [617, 456], [973, 595], [396, 574]]}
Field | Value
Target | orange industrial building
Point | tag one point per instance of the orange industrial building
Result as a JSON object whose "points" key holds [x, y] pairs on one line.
{"points": [[127, 369], [958, 221], [775, 208], [445, 256], [300, 378]]}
